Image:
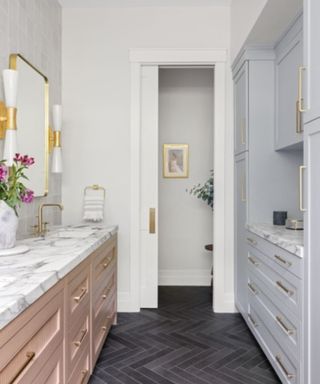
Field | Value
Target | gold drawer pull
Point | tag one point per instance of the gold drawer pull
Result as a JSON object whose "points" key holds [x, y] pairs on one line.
{"points": [[105, 295], [83, 334], [251, 241], [108, 262], [283, 261], [104, 328], [253, 289], [29, 356], [283, 288], [284, 369], [84, 374], [253, 261], [253, 322], [283, 326], [77, 299]]}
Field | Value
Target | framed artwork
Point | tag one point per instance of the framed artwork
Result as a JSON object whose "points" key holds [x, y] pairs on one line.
{"points": [[175, 161]]}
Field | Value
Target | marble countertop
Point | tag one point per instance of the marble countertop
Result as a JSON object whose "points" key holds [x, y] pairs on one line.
{"points": [[290, 240], [26, 277]]}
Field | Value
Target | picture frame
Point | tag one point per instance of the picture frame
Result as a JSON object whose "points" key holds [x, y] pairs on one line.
{"points": [[175, 161]]}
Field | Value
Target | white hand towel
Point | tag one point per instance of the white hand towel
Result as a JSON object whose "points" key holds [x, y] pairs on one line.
{"points": [[93, 205]]}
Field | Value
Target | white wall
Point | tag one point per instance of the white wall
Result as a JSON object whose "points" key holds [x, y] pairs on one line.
{"points": [[244, 14], [185, 222], [96, 97]]}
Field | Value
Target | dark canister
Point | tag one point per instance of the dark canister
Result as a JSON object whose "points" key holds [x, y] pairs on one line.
{"points": [[279, 217]]}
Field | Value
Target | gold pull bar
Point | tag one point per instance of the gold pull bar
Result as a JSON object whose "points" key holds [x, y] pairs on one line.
{"points": [[83, 334], [251, 241], [300, 90], [152, 220], [283, 261], [77, 299], [253, 289], [84, 374], [252, 261], [284, 289], [301, 169], [284, 369], [253, 322], [30, 356], [109, 259], [283, 326]]}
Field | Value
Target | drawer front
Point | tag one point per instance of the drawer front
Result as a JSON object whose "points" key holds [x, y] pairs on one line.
{"points": [[81, 373], [286, 260], [286, 332], [286, 368], [44, 332], [285, 287], [104, 294], [77, 343], [103, 261], [78, 293], [52, 372]]}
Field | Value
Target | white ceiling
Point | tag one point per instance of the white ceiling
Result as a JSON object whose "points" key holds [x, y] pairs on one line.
{"points": [[142, 3]]}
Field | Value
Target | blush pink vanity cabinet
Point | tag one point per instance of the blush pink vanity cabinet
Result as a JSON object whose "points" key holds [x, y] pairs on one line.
{"points": [[58, 338]]}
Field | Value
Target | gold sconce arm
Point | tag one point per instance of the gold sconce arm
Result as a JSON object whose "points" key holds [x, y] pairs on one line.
{"points": [[8, 119], [54, 139]]}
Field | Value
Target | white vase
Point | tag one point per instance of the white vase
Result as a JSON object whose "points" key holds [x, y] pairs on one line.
{"points": [[8, 226]]}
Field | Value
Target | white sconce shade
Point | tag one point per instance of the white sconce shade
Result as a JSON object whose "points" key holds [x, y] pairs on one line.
{"points": [[56, 165], [10, 146], [57, 117], [10, 82]]}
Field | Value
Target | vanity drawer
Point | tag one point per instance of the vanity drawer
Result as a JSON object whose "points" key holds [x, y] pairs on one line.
{"points": [[81, 373], [78, 293], [32, 339], [103, 260], [280, 284], [104, 294], [288, 261], [286, 367], [52, 372]]}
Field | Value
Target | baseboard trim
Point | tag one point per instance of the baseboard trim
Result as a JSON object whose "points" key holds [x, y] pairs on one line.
{"points": [[126, 303], [187, 277]]}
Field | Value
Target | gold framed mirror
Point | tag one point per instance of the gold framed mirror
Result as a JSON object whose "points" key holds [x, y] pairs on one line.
{"points": [[33, 122]]}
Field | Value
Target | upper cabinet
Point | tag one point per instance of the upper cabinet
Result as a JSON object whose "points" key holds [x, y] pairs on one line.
{"points": [[241, 109], [311, 74], [289, 59]]}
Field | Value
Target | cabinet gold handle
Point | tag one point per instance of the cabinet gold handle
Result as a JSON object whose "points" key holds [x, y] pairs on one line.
{"points": [[283, 326], [107, 262], [77, 299], [251, 241], [29, 356], [83, 334], [253, 289], [253, 261], [105, 295], [84, 374], [284, 369], [253, 322], [300, 90], [301, 169], [298, 119], [152, 220], [284, 289], [283, 261]]}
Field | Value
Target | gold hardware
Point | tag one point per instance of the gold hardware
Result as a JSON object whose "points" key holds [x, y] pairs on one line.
{"points": [[104, 296], [83, 334], [287, 330], [252, 261], [283, 288], [104, 328], [41, 226], [298, 119], [95, 187], [84, 374], [57, 139], [253, 289], [108, 261], [3, 118], [77, 299], [301, 169], [30, 356], [152, 220], [242, 130], [251, 241], [11, 122], [8, 119], [300, 98], [243, 191], [51, 139], [253, 322], [283, 261], [284, 369]]}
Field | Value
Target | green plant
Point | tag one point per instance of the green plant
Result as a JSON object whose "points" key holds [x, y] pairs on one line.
{"points": [[204, 192]]}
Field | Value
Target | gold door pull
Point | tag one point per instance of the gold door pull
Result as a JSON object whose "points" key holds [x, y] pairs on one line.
{"points": [[152, 220], [77, 299]]}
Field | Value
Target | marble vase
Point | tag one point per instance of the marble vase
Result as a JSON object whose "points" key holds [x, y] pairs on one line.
{"points": [[8, 226]]}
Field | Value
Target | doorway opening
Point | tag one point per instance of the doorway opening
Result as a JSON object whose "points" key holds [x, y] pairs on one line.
{"points": [[186, 154]]}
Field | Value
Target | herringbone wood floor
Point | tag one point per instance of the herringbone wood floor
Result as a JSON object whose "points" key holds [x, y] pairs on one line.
{"points": [[182, 342]]}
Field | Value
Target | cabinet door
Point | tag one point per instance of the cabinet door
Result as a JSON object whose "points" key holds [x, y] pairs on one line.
{"points": [[312, 251], [288, 118], [241, 109], [311, 78], [241, 272]]}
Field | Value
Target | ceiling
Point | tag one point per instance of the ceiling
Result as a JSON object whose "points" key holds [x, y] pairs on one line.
{"points": [[142, 3]]}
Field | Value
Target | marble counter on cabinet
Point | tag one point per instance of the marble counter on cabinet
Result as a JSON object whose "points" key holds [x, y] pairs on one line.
{"points": [[26, 277], [290, 240]]}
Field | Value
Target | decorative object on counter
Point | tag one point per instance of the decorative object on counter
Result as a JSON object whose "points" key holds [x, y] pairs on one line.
{"points": [[93, 207], [175, 161], [12, 194], [204, 192], [56, 160], [279, 217], [294, 224]]}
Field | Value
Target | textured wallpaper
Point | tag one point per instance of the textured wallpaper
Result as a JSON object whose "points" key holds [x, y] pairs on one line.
{"points": [[33, 29]]}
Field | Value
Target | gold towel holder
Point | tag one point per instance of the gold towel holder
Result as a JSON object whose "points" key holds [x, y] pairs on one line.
{"points": [[95, 187]]}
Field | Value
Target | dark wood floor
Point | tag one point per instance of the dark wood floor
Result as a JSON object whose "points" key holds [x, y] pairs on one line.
{"points": [[182, 342]]}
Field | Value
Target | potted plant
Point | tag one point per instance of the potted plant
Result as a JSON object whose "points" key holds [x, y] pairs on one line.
{"points": [[12, 193], [205, 191]]}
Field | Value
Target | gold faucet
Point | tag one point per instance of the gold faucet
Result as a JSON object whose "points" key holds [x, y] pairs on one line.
{"points": [[41, 228]]}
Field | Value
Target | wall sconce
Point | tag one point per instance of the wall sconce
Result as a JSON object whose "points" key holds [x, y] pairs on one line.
{"points": [[8, 115], [56, 161]]}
